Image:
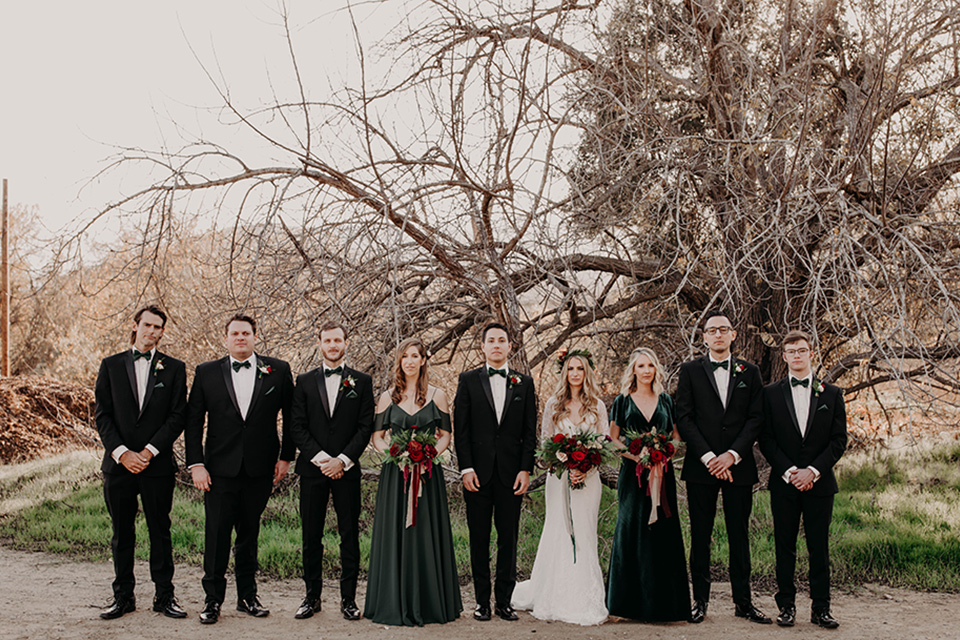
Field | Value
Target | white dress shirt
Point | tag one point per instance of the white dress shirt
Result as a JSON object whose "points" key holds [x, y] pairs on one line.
{"points": [[722, 377], [142, 368], [498, 388], [244, 381], [801, 407], [332, 384]]}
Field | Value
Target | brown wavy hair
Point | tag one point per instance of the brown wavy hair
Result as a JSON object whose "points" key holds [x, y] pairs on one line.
{"points": [[400, 380], [589, 392]]}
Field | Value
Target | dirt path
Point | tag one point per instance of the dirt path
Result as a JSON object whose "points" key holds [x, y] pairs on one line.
{"points": [[45, 597]]}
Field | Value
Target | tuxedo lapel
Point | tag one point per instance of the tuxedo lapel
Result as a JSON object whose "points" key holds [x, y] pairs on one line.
{"points": [[151, 381], [228, 381], [322, 388], [257, 385], [791, 408], [814, 402], [132, 375], [485, 384], [708, 368], [731, 379], [506, 399], [340, 390]]}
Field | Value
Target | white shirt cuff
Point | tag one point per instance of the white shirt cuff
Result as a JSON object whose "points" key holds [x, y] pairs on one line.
{"points": [[816, 474], [152, 449], [786, 474], [119, 451], [466, 471], [707, 457], [192, 466], [323, 456], [347, 462], [736, 456]]}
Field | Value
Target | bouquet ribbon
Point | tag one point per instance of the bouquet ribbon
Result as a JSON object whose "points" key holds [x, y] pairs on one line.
{"points": [[414, 488], [656, 489]]}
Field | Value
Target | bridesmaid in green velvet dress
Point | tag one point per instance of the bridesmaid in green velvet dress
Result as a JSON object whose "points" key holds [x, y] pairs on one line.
{"points": [[648, 569], [413, 576]]}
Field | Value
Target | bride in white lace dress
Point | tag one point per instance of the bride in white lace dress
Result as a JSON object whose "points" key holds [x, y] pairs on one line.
{"points": [[564, 586]]}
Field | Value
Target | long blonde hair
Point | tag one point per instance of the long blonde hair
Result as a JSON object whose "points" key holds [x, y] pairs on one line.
{"points": [[400, 379], [589, 393], [628, 381]]}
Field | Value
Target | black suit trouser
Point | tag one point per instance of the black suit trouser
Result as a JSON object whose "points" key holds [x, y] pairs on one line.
{"points": [[788, 505], [233, 503], [494, 502], [315, 492], [737, 504], [120, 491]]}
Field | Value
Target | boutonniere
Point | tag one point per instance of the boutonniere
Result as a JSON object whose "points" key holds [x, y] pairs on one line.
{"points": [[817, 389], [740, 368], [263, 369], [157, 365], [349, 384], [513, 380]]}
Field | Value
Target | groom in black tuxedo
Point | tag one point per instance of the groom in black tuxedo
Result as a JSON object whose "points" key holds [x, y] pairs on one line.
{"points": [[332, 420], [240, 397], [719, 416], [804, 434], [141, 397], [495, 423]]}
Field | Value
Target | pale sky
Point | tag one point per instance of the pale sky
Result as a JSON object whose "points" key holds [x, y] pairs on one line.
{"points": [[80, 78]]}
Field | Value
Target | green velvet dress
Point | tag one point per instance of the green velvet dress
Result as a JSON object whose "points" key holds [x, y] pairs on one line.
{"points": [[413, 576], [648, 570]]}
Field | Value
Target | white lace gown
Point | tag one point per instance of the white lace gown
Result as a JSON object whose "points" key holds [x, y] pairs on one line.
{"points": [[559, 588]]}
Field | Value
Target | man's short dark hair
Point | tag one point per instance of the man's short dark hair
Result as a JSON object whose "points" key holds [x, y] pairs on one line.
{"points": [[494, 325], [240, 317], [796, 335], [155, 310], [713, 313], [330, 325]]}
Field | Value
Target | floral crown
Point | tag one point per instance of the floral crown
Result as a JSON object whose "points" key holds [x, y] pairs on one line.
{"points": [[566, 354]]}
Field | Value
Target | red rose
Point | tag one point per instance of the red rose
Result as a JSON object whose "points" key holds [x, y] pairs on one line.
{"points": [[636, 446], [571, 441], [585, 466], [430, 451], [416, 453], [670, 449], [558, 438], [595, 458], [414, 427], [395, 450], [578, 456], [656, 456]]}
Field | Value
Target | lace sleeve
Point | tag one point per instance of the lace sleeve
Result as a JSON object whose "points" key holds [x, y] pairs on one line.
{"points": [[604, 426], [547, 428]]}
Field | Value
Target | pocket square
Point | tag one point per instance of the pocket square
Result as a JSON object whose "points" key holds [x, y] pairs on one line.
{"points": [[742, 385], [159, 385], [517, 398], [823, 407], [269, 391], [351, 394]]}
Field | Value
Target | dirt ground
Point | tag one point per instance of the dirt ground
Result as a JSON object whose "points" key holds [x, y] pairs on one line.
{"points": [[45, 597]]}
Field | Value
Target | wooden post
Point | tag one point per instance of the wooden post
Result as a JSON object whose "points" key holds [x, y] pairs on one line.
{"points": [[5, 291]]}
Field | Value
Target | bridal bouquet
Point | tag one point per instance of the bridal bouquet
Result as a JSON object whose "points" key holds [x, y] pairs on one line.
{"points": [[580, 451], [655, 448], [414, 451]]}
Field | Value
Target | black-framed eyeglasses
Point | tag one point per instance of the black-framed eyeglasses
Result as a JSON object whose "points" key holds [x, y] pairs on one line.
{"points": [[712, 331], [802, 351]]}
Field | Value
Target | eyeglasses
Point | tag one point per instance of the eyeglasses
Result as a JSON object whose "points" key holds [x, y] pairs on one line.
{"points": [[796, 352], [712, 331]]}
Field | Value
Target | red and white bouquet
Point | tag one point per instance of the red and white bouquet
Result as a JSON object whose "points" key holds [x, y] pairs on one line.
{"points": [[579, 451], [655, 448], [414, 451]]}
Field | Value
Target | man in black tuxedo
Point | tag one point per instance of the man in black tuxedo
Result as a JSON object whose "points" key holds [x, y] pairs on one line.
{"points": [[804, 434], [719, 416], [332, 420], [495, 423], [240, 396], [141, 399]]}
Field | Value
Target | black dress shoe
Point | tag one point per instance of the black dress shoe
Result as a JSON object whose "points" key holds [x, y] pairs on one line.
{"points": [[253, 607], [118, 607], [506, 612], [350, 610], [308, 607], [210, 613], [698, 612], [482, 612], [168, 606], [751, 613], [787, 617], [823, 618]]}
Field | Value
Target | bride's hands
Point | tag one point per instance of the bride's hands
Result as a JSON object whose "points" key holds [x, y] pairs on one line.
{"points": [[577, 476]]}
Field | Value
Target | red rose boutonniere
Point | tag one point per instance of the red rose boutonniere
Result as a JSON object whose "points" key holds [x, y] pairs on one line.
{"points": [[817, 389], [157, 366], [740, 368], [513, 380], [263, 369], [349, 384]]}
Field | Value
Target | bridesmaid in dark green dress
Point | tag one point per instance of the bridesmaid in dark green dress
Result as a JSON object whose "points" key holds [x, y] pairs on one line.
{"points": [[648, 569], [413, 572]]}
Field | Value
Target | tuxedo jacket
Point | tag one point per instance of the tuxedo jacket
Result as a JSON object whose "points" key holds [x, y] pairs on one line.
{"points": [[340, 425], [121, 421], [822, 444], [488, 445], [233, 443], [705, 425]]}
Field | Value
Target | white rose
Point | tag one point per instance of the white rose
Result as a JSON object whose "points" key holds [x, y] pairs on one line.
{"points": [[561, 456]]}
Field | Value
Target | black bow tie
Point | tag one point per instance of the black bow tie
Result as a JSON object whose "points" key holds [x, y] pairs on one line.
{"points": [[241, 365], [333, 372], [496, 372], [794, 382], [725, 364], [146, 355]]}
